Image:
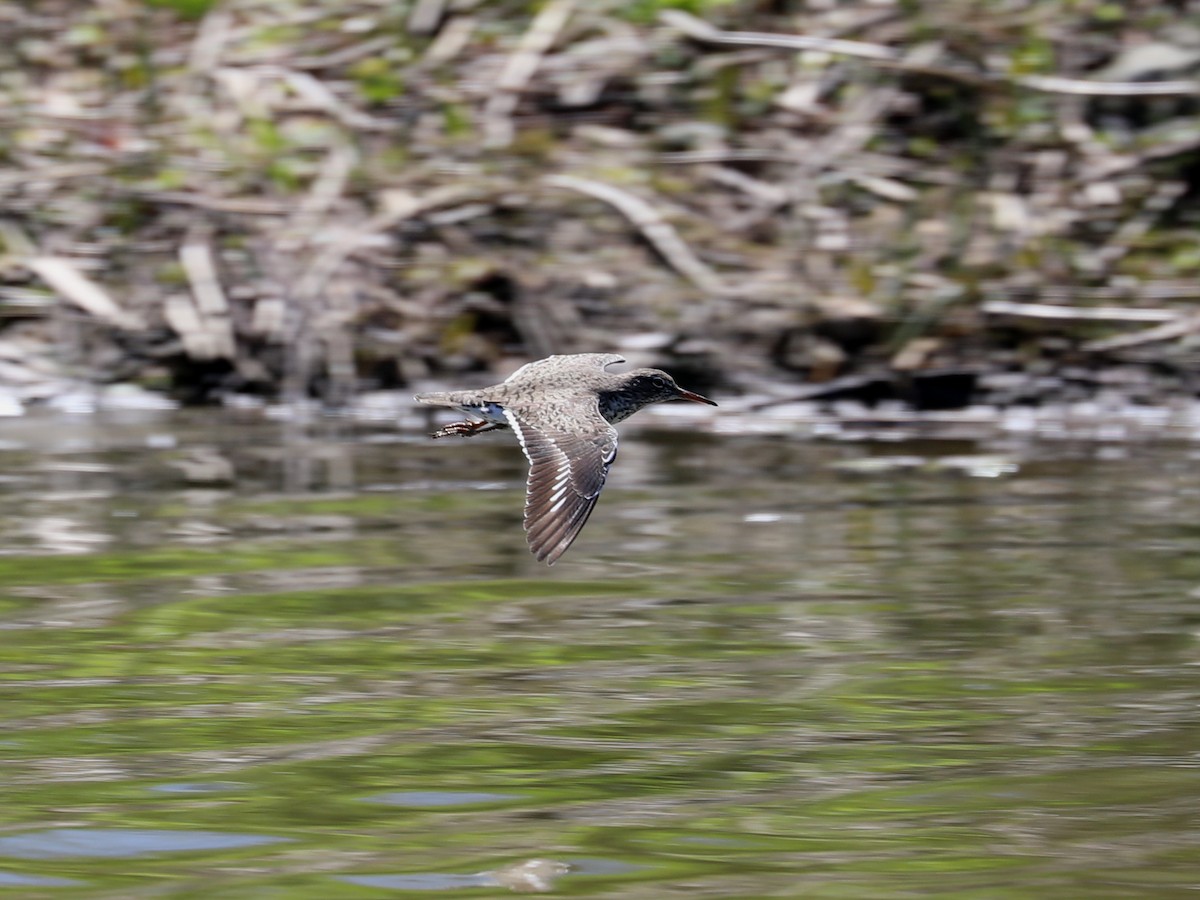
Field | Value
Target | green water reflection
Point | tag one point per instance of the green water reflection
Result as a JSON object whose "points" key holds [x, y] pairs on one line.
{"points": [[753, 676]]}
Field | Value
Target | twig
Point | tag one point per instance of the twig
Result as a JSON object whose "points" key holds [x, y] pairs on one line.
{"points": [[719, 155], [651, 224], [853, 132], [211, 38], [1167, 332], [702, 31], [699, 30], [1112, 166], [207, 331], [1136, 227], [51, 173], [250, 206], [196, 257], [767, 194], [887, 188], [450, 41], [1078, 313], [72, 284], [308, 88], [1052, 84], [345, 55], [326, 188], [319, 94], [185, 320], [425, 16]]}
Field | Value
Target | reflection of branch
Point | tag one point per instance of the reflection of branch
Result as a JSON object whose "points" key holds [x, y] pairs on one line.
{"points": [[702, 31], [646, 219]]}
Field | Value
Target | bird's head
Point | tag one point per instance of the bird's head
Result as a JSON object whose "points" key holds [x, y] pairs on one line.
{"points": [[655, 385]]}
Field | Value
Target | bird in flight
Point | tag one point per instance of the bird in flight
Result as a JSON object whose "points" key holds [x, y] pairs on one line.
{"points": [[562, 409]]}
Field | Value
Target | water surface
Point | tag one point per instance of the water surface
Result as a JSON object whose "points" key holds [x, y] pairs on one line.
{"points": [[240, 658]]}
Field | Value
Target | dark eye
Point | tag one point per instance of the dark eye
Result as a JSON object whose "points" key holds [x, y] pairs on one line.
{"points": [[658, 381]]}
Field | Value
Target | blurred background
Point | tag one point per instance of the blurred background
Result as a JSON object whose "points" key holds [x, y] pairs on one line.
{"points": [[939, 204], [912, 613]]}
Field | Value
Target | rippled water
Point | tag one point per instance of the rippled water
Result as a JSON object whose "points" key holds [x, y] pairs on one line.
{"points": [[246, 659]]}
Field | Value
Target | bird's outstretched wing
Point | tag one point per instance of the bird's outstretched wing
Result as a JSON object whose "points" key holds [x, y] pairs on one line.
{"points": [[567, 469], [538, 367]]}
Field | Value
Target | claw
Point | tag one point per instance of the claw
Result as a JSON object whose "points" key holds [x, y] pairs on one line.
{"points": [[465, 429]]}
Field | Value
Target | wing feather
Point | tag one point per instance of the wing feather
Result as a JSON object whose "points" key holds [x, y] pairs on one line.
{"points": [[540, 367], [567, 470]]}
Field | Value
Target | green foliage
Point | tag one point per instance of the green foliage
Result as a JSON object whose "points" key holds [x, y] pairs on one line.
{"points": [[646, 11], [1186, 259], [85, 34], [284, 175], [188, 9], [171, 274], [456, 120], [1109, 13], [377, 79], [535, 143], [128, 215], [266, 136], [170, 179], [1035, 55]]}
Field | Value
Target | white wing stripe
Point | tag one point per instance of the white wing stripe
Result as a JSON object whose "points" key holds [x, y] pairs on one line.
{"points": [[566, 473]]}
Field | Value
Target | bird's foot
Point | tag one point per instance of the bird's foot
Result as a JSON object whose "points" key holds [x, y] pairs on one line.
{"points": [[464, 429]]}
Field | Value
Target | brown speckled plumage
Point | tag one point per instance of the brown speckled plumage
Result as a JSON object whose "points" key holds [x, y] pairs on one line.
{"points": [[562, 409]]}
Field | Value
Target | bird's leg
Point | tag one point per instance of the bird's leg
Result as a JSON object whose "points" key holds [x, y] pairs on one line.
{"points": [[466, 429]]}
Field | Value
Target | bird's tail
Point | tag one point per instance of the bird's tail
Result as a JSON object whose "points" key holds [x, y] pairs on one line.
{"points": [[441, 398]]}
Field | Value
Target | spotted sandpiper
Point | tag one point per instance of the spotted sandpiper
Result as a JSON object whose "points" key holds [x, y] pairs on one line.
{"points": [[563, 409]]}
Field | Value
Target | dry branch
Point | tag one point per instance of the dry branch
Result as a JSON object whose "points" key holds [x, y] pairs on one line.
{"points": [[62, 275], [1136, 226], [1078, 313], [206, 330], [1168, 332], [543, 31], [702, 31], [425, 16], [247, 206], [326, 189], [285, 148], [653, 227]]}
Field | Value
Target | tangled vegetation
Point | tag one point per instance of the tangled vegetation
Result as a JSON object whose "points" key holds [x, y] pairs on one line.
{"points": [[937, 201]]}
